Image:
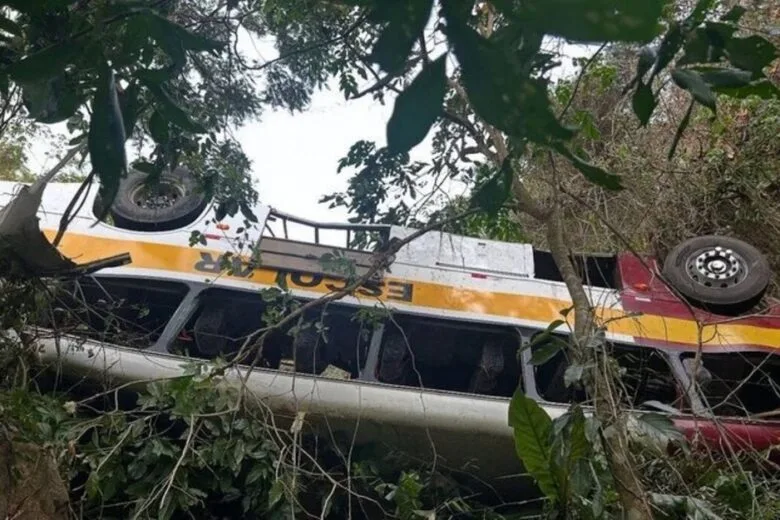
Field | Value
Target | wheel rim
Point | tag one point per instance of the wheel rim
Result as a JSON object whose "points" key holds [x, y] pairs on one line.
{"points": [[717, 267], [160, 196]]}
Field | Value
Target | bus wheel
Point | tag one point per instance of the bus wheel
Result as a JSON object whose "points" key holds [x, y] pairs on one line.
{"points": [[175, 201], [718, 273]]}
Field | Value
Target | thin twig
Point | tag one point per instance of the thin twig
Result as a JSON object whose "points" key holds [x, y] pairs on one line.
{"points": [[579, 80], [184, 451]]}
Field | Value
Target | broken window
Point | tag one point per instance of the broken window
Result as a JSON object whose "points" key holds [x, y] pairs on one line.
{"points": [[125, 311], [227, 320], [739, 383], [446, 355], [645, 377]]}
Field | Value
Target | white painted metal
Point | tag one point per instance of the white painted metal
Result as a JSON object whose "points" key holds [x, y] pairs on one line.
{"points": [[456, 427], [448, 251], [505, 268]]}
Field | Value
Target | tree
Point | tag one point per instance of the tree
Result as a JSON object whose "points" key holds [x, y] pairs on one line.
{"points": [[166, 74], [119, 69], [494, 105]]}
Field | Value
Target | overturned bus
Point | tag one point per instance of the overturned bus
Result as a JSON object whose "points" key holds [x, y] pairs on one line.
{"points": [[428, 353]]}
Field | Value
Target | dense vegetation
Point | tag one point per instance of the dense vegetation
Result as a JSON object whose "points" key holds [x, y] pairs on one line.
{"points": [[668, 130]]}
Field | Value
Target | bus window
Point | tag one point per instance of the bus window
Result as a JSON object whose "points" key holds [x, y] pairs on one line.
{"points": [[226, 320], [646, 376], [448, 355], [739, 383], [125, 311]]}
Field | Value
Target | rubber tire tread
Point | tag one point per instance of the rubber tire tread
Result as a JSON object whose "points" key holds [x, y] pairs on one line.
{"points": [[729, 300], [128, 215]]}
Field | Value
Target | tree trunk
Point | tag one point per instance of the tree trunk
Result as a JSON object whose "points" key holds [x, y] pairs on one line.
{"points": [[598, 379]]}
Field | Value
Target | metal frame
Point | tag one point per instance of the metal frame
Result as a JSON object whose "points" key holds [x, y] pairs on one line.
{"points": [[274, 215]]}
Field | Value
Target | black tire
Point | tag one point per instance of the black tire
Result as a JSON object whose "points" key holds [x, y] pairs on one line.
{"points": [[720, 274], [179, 202], [210, 332], [310, 352], [394, 359]]}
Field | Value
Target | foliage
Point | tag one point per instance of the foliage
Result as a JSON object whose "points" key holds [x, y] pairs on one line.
{"points": [[185, 447], [167, 75]]}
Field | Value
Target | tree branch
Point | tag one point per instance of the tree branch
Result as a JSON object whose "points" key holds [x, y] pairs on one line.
{"points": [[579, 80], [317, 45]]}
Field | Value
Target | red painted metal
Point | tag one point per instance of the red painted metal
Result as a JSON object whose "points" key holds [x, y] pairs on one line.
{"points": [[732, 434], [659, 300]]}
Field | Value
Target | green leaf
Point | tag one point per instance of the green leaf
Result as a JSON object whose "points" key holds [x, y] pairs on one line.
{"points": [[276, 493], [692, 81], [130, 103], [592, 21], [752, 53], [158, 128], [106, 140], [591, 172], [50, 100], [570, 449], [699, 11], [406, 20], [491, 195], [647, 58], [762, 88], [573, 374], [172, 112], [532, 427], [667, 49], [547, 351], [680, 129], [188, 40], [499, 85], [737, 83], [679, 506], [734, 14], [10, 26], [43, 64], [417, 107], [717, 77], [659, 428], [643, 103]]}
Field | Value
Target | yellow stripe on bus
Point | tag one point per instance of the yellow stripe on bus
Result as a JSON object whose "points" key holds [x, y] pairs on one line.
{"points": [[83, 248]]}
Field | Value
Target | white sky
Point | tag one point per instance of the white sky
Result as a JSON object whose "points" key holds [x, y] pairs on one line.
{"points": [[295, 156]]}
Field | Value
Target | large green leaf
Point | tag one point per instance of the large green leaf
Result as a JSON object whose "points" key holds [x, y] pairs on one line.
{"points": [[172, 111], [591, 172], [717, 77], [658, 428], [591, 21], [491, 195], [547, 350], [189, 40], [734, 14], [10, 26], [158, 128], [643, 102], [752, 53], [570, 449], [417, 107], [532, 427], [405, 20], [500, 88], [50, 100], [737, 83], [692, 81], [130, 103], [45, 63], [106, 140]]}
